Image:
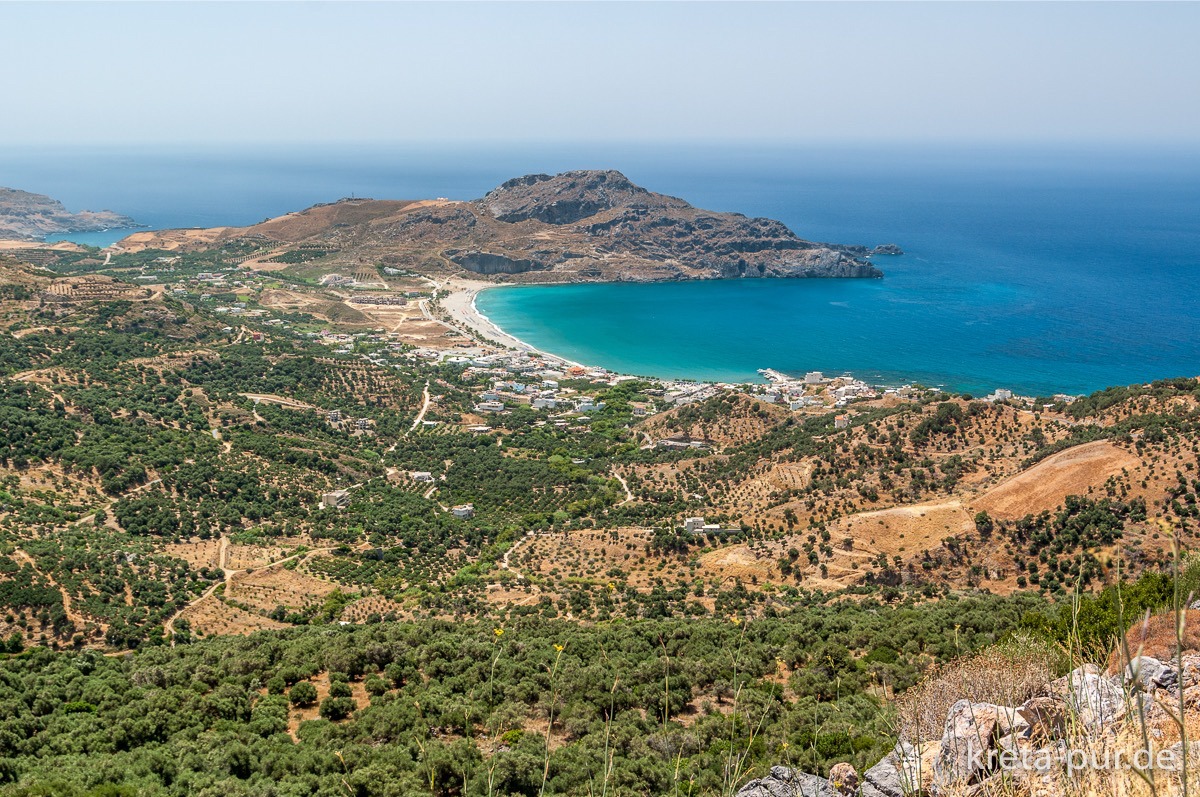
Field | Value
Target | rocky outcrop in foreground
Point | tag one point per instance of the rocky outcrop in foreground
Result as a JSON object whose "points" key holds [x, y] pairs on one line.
{"points": [[1055, 738], [29, 216]]}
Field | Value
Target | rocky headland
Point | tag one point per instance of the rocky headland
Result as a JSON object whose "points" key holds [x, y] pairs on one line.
{"points": [[28, 216], [577, 226]]}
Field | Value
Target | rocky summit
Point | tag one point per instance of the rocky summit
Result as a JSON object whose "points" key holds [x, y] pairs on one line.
{"points": [[571, 197]]}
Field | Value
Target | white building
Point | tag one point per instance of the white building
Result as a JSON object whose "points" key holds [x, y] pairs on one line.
{"points": [[490, 406], [463, 511], [544, 403], [421, 476], [693, 524], [335, 499], [805, 401], [814, 378]]}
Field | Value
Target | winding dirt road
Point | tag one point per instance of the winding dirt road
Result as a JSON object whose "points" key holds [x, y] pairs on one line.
{"points": [[628, 492], [420, 415], [227, 581]]}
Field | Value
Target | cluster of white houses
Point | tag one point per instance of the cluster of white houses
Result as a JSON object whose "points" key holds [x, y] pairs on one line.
{"points": [[680, 393], [1000, 394], [818, 390], [495, 401], [545, 394]]}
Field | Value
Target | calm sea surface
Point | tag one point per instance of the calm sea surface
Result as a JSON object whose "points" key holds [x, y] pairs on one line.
{"points": [[1039, 270]]}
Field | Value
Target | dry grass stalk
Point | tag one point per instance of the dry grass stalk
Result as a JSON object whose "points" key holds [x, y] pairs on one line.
{"points": [[1007, 675]]}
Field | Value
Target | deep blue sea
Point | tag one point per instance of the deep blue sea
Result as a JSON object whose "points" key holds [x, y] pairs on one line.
{"points": [[1040, 270]]}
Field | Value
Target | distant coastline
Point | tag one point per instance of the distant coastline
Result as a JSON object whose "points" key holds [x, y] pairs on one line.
{"points": [[31, 216]]}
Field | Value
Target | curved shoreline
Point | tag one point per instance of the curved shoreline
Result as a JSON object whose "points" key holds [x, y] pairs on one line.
{"points": [[487, 322], [461, 307], [466, 311]]}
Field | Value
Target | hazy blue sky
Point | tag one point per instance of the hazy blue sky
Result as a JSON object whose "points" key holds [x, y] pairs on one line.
{"points": [[176, 72]]}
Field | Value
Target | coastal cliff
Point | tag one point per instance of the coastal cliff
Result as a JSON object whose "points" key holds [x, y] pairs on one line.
{"points": [[28, 216], [578, 226]]}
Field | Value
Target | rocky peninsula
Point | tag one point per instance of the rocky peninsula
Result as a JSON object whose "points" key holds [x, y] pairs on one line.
{"points": [[29, 216]]}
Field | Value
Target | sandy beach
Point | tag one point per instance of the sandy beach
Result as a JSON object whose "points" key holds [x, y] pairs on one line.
{"points": [[460, 309]]}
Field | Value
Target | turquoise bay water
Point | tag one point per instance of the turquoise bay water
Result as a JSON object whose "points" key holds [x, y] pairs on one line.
{"points": [[100, 238], [1041, 270], [972, 338], [1042, 277]]}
